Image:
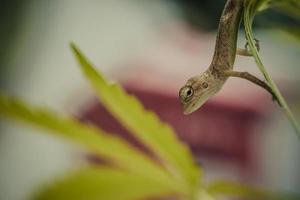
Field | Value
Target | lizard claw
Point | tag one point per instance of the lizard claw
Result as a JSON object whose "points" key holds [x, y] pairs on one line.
{"points": [[256, 45], [274, 98]]}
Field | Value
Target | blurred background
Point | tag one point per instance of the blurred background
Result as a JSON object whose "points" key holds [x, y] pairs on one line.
{"points": [[151, 48]]}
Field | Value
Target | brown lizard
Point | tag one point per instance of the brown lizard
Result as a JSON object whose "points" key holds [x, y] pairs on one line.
{"points": [[200, 88]]}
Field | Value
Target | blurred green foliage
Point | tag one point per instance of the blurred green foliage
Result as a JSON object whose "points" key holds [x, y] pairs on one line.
{"points": [[130, 174]]}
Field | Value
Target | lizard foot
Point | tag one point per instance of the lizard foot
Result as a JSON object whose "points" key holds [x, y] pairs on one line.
{"points": [[256, 45], [246, 51], [274, 98]]}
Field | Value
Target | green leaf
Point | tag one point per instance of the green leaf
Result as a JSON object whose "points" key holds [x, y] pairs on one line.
{"points": [[293, 31], [104, 183], [204, 195], [145, 125], [232, 189], [288, 7], [91, 138]]}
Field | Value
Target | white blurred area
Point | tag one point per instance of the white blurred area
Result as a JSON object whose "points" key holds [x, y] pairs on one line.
{"points": [[43, 71]]}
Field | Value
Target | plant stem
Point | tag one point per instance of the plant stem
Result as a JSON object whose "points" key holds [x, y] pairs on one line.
{"points": [[280, 98]]}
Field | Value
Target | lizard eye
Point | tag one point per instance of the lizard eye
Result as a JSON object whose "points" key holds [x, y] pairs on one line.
{"points": [[186, 93], [204, 84]]}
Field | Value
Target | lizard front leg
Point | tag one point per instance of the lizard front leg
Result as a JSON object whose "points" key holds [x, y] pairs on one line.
{"points": [[246, 51], [251, 78]]}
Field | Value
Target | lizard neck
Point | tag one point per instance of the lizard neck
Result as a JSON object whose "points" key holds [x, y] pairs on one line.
{"points": [[225, 48]]}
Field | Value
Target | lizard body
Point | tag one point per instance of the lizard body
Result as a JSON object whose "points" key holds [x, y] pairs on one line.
{"points": [[226, 41], [200, 88]]}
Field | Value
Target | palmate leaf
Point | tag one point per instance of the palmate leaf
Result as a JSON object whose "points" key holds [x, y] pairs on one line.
{"points": [[145, 125], [233, 189], [92, 139], [96, 183]]}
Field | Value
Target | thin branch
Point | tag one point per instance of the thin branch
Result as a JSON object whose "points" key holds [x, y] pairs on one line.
{"points": [[282, 101]]}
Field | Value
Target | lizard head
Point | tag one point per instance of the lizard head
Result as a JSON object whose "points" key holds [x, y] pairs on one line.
{"points": [[198, 90]]}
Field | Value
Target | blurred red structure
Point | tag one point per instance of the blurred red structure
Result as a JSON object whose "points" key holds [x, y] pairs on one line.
{"points": [[216, 130]]}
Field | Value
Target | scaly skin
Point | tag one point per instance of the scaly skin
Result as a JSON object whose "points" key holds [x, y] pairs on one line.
{"points": [[200, 88], [225, 48]]}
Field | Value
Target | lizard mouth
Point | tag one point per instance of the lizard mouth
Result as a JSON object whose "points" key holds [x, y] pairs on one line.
{"points": [[193, 106]]}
